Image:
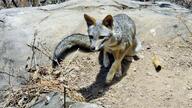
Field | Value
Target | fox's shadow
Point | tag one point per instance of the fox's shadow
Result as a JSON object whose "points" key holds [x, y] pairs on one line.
{"points": [[98, 88]]}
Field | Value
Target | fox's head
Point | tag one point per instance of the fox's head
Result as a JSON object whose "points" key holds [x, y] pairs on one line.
{"points": [[99, 31]]}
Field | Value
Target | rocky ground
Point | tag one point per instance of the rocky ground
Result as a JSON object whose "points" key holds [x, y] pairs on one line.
{"points": [[165, 30]]}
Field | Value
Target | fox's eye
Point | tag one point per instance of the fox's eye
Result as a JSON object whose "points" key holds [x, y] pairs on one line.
{"points": [[90, 36], [101, 37]]}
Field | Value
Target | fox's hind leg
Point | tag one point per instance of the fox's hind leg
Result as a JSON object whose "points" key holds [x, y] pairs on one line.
{"points": [[136, 49], [138, 45], [133, 50]]}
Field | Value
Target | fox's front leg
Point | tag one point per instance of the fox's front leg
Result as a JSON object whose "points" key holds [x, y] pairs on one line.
{"points": [[106, 61], [116, 67]]}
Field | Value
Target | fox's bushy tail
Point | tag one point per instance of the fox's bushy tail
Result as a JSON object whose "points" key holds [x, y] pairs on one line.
{"points": [[68, 45]]}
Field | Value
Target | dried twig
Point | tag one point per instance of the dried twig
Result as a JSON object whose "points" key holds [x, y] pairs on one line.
{"points": [[33, 61], [47, 50], [6, 73], [36, 48], [156, 62]]}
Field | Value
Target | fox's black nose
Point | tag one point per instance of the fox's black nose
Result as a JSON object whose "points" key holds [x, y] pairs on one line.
{"points": [[92, 48]]}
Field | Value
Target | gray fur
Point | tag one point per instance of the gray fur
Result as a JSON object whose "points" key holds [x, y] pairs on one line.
{"points": [[69, 43], [124, 28]]}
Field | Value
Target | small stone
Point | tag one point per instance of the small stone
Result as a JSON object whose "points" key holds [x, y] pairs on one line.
{"points": [[148, 48], [175, 26], [134, 69], [88, 58], [153, 32], [172, 57], [189, 88]]}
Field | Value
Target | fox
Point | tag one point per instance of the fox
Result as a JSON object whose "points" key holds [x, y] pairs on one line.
{"points": [[114, 35]]}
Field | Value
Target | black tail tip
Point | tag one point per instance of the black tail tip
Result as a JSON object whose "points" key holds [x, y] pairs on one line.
{"points": [[55, 63]]}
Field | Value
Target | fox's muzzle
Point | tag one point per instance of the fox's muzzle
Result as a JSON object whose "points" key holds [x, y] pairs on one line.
{"points": [[97, 45], [96, 48]]}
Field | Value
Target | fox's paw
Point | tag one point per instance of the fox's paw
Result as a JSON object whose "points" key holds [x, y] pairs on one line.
{"points": [[109, 79], [130, 59], [119, 74], [136, 57], [106, 62]]}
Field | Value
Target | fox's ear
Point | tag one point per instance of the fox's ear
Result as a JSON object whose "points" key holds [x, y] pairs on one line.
{"points": [[108, 21], [90, 21]]}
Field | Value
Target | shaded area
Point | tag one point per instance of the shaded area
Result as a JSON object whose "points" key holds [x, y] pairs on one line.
{"points": [[98, 88], [185, 3], [28, 3]]}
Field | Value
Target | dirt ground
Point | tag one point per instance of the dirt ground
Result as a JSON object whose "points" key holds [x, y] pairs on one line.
{"points": [[142, 87]]}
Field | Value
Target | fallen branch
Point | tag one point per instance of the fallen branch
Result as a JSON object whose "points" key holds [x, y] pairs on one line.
{"points": [[46, 49], [36, 48], [33, 60], [156, 62], [45, 52], [1, 72]]}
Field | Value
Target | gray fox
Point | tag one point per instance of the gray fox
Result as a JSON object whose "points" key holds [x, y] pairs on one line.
{"points": [[114, 35]]}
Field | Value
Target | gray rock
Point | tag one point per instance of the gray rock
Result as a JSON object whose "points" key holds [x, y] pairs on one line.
{"points": [[85, 105], [50, 100]]}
